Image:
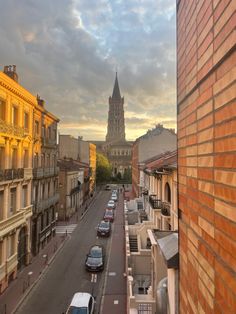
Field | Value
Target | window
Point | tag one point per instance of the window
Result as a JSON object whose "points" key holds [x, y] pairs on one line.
{"points": [[48, 160], [36, 127], [24, 196], [43, 131], [2, 109], [36, 160], [25, 158], [26, 121], [48, 189], [2, 158], [167, 193], [14, 158], [12, 202], [15, 113], [1, 204], [43, 160], [11, 245], [49, 132]]}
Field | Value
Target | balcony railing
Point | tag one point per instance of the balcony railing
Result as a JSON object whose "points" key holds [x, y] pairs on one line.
{"points": [[49, 142], [11, 174], [155, 202], [11, 129], [165, 210], [45, 172], [75, 190], [44, 204]]}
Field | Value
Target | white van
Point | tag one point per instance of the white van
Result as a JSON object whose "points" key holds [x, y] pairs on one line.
{"points": [[82, 303]]}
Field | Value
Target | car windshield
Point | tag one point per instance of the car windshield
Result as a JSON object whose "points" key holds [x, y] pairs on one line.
{"points": [[78, 310], [96, 253], [104, 225]]}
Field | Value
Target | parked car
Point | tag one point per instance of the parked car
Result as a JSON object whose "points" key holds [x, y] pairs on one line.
{"points": [[114, 197], [111, 204], [104, 229], [109, 215], [108, 188], [81, 303], [95, 258]]}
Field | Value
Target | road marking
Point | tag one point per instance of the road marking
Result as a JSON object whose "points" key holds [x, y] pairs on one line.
{"points": [[65, 229], [116, 301], [112, 274], [94, 278]]}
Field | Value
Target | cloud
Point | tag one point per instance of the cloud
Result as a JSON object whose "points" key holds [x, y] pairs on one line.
{"points": [[68, 53]]}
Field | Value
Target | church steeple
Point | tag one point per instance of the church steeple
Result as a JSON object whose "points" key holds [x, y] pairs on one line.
{"points": [[116, 121], [116, 90]]}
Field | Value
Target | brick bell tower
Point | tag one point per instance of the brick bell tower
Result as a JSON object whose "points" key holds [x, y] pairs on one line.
{"points": [[116, 121]]}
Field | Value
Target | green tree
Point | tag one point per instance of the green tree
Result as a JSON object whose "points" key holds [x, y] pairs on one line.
{"points": [[128, 175], [104, 170]]}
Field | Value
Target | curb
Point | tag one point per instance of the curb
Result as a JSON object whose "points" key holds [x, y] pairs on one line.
{"points": [[40, 276]]}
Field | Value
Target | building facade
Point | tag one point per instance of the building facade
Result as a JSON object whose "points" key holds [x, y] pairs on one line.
{"points": [[73, 176], [156, 141], [45, 195], [207, 155], [152, 238]]}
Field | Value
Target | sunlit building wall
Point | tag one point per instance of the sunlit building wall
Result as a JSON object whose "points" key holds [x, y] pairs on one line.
{"points": [[16, 148]]}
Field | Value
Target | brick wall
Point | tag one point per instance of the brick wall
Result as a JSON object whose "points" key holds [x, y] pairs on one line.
{"points": [[206, 78]]}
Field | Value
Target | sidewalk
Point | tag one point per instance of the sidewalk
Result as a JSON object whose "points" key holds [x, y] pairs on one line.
{"points": [[29, 275]]}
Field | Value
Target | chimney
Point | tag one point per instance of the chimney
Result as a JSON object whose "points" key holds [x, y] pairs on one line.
{"points": [[10, 70], [40, 101]]}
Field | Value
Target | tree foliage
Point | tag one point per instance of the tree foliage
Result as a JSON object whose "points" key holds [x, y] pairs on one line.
{"points": [[104, 169]]}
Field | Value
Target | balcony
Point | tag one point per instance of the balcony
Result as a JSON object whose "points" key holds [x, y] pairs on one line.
{"points": [[44, 204], [155, 202], [165, 210], [11, 130], [11, 174], [39, 173], [75, 190], [48, 142]]}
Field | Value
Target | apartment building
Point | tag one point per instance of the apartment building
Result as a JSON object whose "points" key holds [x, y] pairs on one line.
{"points": [[45, 196], [16, 149], [22, 149], [156, 141], [152, 238], [73, 187], [206, 56], [83, 151]]}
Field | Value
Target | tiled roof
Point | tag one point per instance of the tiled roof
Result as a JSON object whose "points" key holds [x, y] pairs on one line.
{"points": [[70, 164]]}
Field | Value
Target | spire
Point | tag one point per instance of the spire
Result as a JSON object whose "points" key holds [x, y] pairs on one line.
{"points": [[116, 90]]}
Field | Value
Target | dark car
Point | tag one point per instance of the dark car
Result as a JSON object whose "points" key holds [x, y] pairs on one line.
{"points": [[95, 259], [107, 188], [108, 216], [104, 229]]}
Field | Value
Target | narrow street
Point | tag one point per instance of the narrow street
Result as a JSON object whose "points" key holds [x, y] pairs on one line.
{"points": [[67, 275]]}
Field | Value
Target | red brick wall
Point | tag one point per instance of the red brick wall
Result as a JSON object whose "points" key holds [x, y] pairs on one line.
{"points": [[206, 78]]}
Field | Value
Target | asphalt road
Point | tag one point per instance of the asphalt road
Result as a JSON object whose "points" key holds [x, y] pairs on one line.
{"points": [[66, 274]]}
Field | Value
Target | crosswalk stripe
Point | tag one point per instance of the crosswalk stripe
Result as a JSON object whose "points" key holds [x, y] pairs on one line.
{"points": [[67, 228]]}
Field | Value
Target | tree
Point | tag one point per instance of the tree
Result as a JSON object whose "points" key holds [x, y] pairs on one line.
{"points": [[128, 175], [104, 169]]}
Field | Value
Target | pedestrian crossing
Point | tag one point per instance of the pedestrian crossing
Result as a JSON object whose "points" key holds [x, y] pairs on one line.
{"points": [[65, 229]]}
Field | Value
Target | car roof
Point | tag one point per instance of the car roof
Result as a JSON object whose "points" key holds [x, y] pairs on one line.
{"points": [[80, 299]]}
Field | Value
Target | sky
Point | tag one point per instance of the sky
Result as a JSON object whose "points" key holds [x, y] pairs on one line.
{"points": [[68, 52]]}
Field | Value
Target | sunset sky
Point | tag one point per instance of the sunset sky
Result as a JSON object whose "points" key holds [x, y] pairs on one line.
{"points": [[68, 51]]}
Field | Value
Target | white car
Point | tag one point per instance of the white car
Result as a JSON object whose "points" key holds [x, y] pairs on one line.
{"points": [[82, 303], [111, 204], [114, 197]]}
